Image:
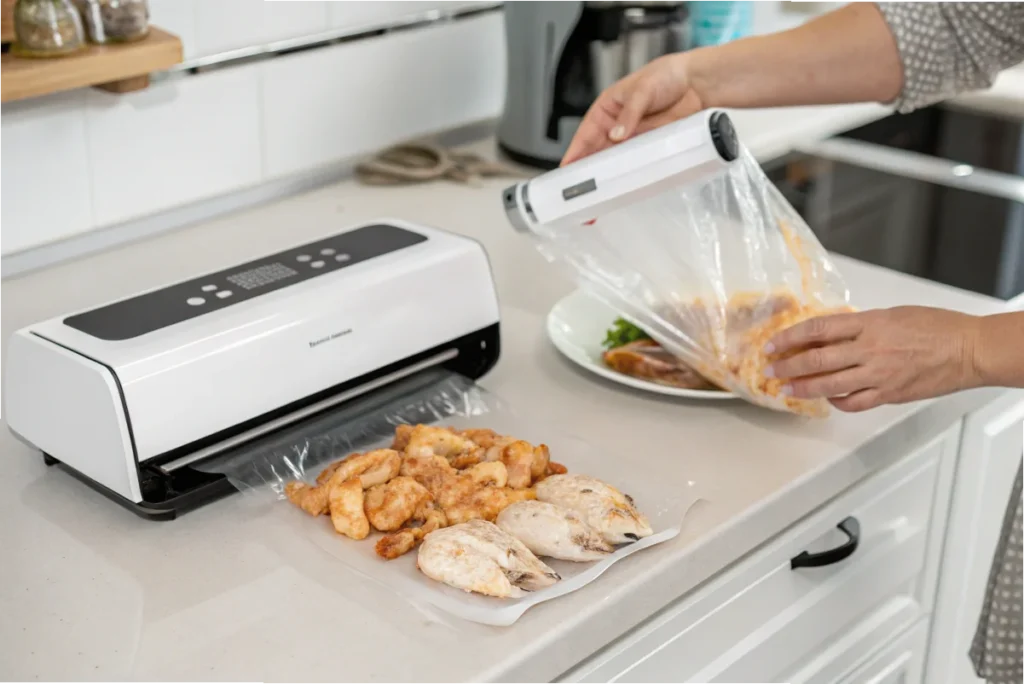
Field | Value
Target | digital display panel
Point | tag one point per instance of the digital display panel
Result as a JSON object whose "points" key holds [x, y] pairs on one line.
{"points": [[261, 275]]}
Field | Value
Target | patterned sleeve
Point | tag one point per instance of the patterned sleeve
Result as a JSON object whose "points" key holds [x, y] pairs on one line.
{"points": [[951, 47]]}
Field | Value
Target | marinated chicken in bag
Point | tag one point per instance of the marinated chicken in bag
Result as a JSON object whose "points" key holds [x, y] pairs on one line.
{"points": [[706, 266]]}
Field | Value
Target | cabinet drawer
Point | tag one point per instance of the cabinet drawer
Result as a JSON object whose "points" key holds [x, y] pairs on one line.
{"points": [[762, 617], [860, 646], [901, 662]]}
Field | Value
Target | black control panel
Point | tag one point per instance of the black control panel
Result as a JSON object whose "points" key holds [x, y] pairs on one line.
{"points": [[159, 309]]}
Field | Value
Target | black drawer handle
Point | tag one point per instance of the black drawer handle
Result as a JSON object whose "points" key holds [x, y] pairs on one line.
{"points": [[851, 528]]}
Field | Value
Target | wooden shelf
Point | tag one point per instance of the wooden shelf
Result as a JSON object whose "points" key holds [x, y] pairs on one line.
{"points": [[117, 68]]}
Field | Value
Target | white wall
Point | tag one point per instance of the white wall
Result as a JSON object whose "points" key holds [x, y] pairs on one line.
{"points": [[79, 161]]}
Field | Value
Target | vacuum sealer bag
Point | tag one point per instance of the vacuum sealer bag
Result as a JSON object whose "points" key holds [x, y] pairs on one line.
{"points": [[711, 270], [437, 397]]}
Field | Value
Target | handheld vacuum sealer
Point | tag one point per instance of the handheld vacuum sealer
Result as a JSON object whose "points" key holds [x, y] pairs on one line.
{"points": [[681, 152], [130, 396]]}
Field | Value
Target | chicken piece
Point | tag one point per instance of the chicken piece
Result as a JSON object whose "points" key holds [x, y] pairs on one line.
{"points": [[522, 568], [493, 474], [388, 506], [426, 440], [402, 435], [312, 500], [347, 514], [608, 511], [449, 561], [647, 360], [553, 531], [372, 468], [541, 459], [430, 471], [393, 545], [464, 556], [485, 503], [467, 460], [518, 459], [556, 468], [325, 474]]}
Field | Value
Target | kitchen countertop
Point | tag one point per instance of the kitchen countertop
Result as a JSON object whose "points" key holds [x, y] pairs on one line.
{"points": [[91, 592]]}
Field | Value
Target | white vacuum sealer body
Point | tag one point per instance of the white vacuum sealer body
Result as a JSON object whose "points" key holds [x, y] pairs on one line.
{"points": [[160, 373]]}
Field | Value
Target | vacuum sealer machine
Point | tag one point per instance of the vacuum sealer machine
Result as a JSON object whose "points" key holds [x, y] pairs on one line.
{"points": [[131, 395]]}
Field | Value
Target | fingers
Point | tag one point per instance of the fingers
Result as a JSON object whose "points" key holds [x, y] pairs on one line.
{"points": [[636, 102], [816, 331], [858, 401], [815, 361], [592, 134], [831, 385]]}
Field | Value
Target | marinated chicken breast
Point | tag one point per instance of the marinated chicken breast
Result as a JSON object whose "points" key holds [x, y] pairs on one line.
{"points": [[450, 561], [604, 508], [553, 531], [464, 556]]}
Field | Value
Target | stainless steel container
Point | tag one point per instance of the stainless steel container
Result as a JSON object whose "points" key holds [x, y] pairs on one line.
{"points": [[646, 31]]}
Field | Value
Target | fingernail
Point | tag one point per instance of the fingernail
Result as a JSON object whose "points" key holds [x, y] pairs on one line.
{"points": [[618, 133], [769, 372], [769, 348], [787, 390]]}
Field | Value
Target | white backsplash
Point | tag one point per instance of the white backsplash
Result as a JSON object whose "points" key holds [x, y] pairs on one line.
{"points": [[79, 161], [76, 162]]}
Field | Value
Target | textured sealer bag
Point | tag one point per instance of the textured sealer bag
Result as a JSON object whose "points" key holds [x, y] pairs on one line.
{"points": [[711, 270]]}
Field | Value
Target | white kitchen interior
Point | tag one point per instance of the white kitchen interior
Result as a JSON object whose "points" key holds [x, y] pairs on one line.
{"points": [[108, 195]]}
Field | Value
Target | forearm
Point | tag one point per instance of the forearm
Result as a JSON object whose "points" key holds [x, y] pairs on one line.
{"points": [[848, 55], [999, 350]]}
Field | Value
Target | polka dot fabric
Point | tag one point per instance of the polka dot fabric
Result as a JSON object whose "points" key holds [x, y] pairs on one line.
{"points": [[996, 651], [951, 47]]}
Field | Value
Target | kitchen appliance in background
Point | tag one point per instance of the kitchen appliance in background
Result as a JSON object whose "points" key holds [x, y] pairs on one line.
{"points": [[938, 194], [561, 55]]}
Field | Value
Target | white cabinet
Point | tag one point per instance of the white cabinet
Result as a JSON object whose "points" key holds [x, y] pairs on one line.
{"points": [[990, 453], [767, 620]]}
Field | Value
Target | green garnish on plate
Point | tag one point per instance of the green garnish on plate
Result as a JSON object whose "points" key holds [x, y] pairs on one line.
{"points": [[623, 332]]}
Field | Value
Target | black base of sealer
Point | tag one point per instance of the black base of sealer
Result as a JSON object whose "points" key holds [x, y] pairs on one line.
{"points": [[167, 495], [196, 489]]}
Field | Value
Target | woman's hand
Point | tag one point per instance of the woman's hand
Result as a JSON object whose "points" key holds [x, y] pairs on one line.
{"points": [[889, 356], [653, 96]]}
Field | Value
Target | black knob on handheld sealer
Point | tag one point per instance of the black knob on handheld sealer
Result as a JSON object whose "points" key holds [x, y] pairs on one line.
{"points": [[723, 135]]}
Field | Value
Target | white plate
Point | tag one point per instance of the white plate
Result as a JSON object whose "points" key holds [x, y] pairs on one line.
{"points": [[577, 326]]}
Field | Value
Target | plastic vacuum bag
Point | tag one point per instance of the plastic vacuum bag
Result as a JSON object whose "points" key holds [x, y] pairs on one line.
{"points": [[711, 270], [439, 397]]}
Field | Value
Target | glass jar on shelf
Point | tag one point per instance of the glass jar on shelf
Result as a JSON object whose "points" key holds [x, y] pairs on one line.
{"points": [[47, 28], [115, 21]]}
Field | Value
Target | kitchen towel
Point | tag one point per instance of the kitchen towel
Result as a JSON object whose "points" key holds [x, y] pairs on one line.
{"points": [[996, 650]]}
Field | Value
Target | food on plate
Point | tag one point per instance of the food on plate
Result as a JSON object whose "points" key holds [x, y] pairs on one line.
{"points": [[478, 556], [553, 531], [446, 490], [632, 352], [605, 509]]}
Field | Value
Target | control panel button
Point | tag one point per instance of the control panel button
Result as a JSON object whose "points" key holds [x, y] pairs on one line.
{"points": [[328, 251], [195, 301], [342, 257], [303, 258], [209, 288], [224, 294], [317, 264]]}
